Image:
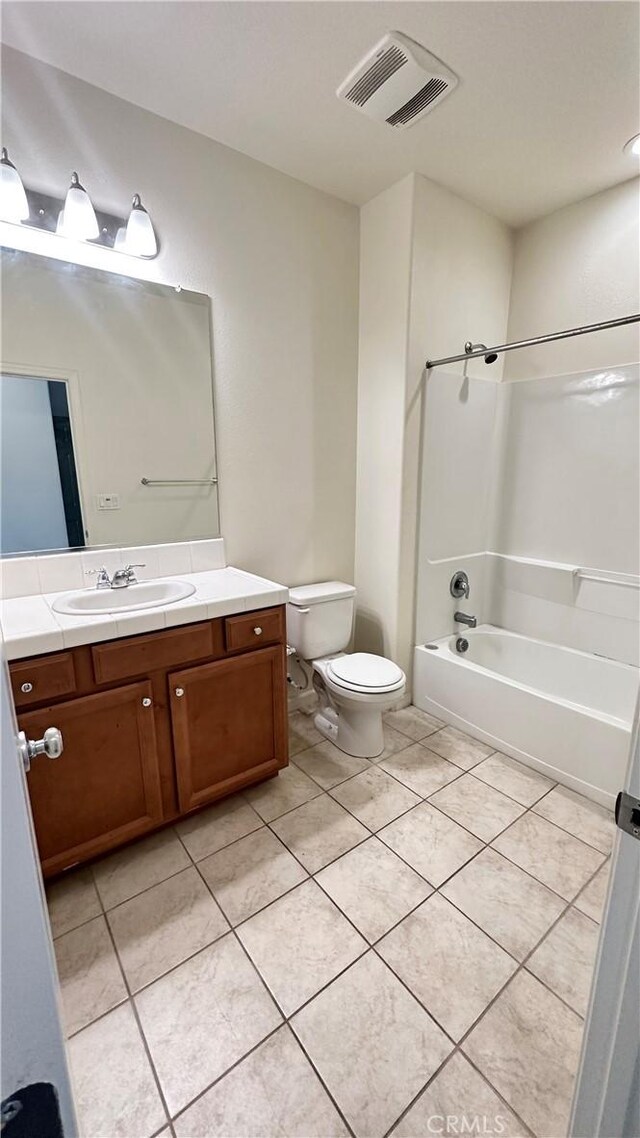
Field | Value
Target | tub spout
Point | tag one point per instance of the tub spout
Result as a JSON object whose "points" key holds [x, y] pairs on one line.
{"points": [[463, 618]]}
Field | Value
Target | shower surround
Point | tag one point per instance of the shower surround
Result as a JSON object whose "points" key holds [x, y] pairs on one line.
{"points": [[531, 487]]}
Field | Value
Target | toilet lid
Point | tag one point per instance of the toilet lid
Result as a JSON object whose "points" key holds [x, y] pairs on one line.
{"points": [[363, 670]]}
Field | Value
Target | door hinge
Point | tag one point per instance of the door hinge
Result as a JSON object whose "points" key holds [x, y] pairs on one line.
{"points": [[628, 814]]}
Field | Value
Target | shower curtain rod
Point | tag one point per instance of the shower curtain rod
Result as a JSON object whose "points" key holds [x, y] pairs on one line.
{"points": [[472, 350]]}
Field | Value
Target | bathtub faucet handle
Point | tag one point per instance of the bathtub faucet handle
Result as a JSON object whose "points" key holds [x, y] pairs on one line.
{"points": [[459, 584]]}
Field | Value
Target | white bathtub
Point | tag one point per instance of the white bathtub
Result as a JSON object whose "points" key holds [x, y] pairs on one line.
{"points": [[566, 713]]}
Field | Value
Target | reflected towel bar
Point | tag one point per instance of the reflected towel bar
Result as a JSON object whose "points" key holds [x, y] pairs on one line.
{"points": [[179, 481]]}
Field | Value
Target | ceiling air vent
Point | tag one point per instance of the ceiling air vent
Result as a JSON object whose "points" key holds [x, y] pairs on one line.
{"points": [[397, 82]]}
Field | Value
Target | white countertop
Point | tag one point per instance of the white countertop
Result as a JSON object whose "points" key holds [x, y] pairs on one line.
{"points": [[30, 627]]}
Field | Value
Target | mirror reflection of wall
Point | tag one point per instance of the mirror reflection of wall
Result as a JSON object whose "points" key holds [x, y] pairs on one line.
{"points": [[39, 497], [130, 361]]}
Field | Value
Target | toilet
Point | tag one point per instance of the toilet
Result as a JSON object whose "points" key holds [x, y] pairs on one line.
{"points": [[354, 688]]}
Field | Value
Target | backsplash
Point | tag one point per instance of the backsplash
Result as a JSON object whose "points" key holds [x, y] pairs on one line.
{"points": [[57, 572]]}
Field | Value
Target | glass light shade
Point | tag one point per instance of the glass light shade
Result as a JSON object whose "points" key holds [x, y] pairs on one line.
{"points": [[633, 146], [13, 200], [140, 238], [78, 218]]}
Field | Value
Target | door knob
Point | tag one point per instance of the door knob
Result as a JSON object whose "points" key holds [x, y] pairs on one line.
{"points": [[51, 744], [26, 688], [258, 631], [146, 701], [179, 692]]}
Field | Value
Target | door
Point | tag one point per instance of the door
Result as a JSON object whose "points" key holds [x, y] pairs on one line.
{"points": [[229, 724], [105, 787], [607, 1098], [34, 1063]]}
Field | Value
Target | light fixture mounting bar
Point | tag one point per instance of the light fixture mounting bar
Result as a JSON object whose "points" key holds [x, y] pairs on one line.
{"points": [[44, 211]]}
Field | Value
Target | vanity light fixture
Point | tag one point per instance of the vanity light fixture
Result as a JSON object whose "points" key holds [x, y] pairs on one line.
{"points": [[633, 146], [140, 239], [76, 218], [14, 206]]}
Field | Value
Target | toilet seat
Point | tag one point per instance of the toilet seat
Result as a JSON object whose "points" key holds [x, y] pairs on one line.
{"points": [[366, 673]]}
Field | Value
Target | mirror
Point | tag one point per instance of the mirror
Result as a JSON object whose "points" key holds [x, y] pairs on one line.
{"points": [[106, 409]]}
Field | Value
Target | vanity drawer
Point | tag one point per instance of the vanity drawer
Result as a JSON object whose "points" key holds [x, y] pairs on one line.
{"points": [[44, 677], [140, 655], [253, 629]]}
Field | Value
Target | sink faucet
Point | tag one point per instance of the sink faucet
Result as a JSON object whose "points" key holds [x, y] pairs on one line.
{"points": [[462, 618], [104, 580], [122, 578]]}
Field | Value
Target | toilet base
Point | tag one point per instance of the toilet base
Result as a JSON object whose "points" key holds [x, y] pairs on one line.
{"points": [[358, 733]]}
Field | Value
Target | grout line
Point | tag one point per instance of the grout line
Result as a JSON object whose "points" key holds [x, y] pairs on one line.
{"points": [[136, 1017], [564, 828], [234, 841], [209, 1086], [527, 1133], [285, 1018], [370, 946], [522, 965]]}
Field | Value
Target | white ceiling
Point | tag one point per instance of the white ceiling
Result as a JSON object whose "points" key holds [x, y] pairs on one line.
{"points": [[548, 92]]}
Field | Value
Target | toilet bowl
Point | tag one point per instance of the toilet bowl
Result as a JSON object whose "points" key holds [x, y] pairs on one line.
{"points": [[354, 689]]}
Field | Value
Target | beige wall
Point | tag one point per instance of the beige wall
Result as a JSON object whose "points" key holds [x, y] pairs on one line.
{"points": [[434, 271], [385, 279], [280, 262], [577, 266]]}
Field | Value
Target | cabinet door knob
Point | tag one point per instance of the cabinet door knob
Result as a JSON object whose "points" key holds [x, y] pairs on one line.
{"points": [[51, 745], [26, 688], [258, 631], [146, 701], [179, 692]]}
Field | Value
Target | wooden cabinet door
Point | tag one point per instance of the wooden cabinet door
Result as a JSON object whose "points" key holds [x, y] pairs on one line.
{"points": [[229, 724], [105, 787]]}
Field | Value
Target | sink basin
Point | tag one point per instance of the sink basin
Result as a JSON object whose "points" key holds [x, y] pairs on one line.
{"points": [[145, 595]]}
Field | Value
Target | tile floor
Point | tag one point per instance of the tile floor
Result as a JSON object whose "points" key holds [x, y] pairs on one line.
{"points": [[351, 948]]}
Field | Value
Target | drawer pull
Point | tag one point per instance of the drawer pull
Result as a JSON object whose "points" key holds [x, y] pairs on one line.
{"points": [[146, 702], [258, 631], [26, 688], [179, 692]]}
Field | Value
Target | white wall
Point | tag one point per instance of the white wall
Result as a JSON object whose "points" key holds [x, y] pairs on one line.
{"points": [[280, 261], [576, 266], [434, 270]]}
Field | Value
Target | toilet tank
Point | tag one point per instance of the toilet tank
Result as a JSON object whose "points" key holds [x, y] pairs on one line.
{"points": [[320, 618]]}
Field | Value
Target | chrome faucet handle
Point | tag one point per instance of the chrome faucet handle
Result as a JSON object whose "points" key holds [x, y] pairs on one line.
{"points": [[104, 580], [126, 576], [459, 584], [130, 571]]}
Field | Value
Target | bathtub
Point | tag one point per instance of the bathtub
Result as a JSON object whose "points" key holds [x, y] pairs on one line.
{"points": [[563, 712]]}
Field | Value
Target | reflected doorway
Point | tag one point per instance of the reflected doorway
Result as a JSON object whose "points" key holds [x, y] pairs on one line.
{"points": [[39, 495]]}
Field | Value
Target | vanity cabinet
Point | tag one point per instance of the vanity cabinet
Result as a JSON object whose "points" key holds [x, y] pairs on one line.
{"points": [[229, 722], [105, 787], [154, 727]]}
